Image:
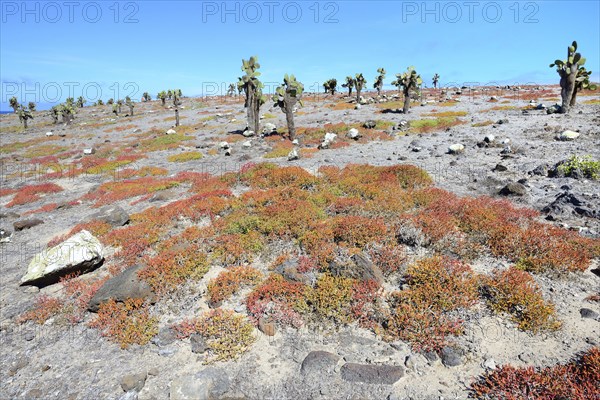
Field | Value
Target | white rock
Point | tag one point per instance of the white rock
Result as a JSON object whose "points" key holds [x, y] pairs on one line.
{"points": [[489, 138], [228, 152], [269, 128], [506, 141], [224, 145], [293, 155], [357, 107], [353, 133], [329, 137], [247, 144], [49, 134], [456, 148], [171, 132], [232, 120], [89, 151], [489, 363], [568, 135], [295, 142], [81, 252], [248, 133]]}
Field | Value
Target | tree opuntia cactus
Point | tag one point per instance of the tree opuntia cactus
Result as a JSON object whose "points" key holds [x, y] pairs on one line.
{"points": [[80, 101], [176, 103], [252, 87], [435, 80], [582, 82], [110, 101], [231, 90], [14, 103], [359, 83], [31, 106], [146, 97], [408, 81], [568, 70], [162, 96], [349, 84], [286, 96], [129, 104], [379, 81], [100, 102], [24, 114], [330, 86]]}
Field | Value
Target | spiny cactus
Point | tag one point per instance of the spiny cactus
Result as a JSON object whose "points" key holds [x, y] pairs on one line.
{"points": [[162, 96], [349, 84], [231, 90], [330, 86], [31, 106], [435, 80], [119, 105], [286, 96], [129, 104], [70, 101], [408, 81], [80, 101], [169, 94], [67, 110], [582, 82], [359, 83], [379, 81], [252, 87], [100, 102], [568, 70], [14, 103], [110, 101], [146, 97], [54, 113], [115, 109], [176, 103], [24, 114]]}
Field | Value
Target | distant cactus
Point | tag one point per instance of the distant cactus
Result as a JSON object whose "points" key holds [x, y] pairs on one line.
{"points": [[178, 93], [568, 70], [330, 86], [119, 105], [14, 103], [169, 94], [146, 97], [231, 90], [349, 84], [110, 101], [359, 83], [54, 113], [80, 101], [115, 109], [379, 81], [176, 103], [31, 106], [162, 96], [67, 110], [408, 81], [24, 114], [286, 96], [129, 104], [435, 80], [70, 101], [100, 102], [252, 87]]}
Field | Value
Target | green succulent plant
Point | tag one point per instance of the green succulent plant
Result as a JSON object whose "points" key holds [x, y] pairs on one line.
{"points": [[252, 87], [408, 81], [568, 70], [359, 83], [286, 96], [330, 86], [349, 84], [24, 115], [379, 81]]}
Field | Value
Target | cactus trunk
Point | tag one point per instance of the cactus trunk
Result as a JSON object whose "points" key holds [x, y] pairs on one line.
{"points": [[567, 84], [176, 117], [253, 107], [289, 118], [573, 98], [406, 99]]}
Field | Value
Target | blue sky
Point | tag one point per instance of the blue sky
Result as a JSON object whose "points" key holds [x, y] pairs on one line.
{"points": [[112, 49]]}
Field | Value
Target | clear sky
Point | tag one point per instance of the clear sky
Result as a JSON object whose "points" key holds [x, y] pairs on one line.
{"points": [[111, 49]]}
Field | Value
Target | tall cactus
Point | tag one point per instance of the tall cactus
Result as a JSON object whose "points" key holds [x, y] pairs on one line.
{"points": [[176, 104], [146, 97], [54, 113], [67, 110], [568, 70], [162, 96], [14, 103], [286, 96], [252, 87], [330, 86], [349, 84], [379, 81], [80, 101], [31, 105], [408, 81], [582, 81], [359, 83], [129, 104], [24, 114], [231, 90], [435, 80]]}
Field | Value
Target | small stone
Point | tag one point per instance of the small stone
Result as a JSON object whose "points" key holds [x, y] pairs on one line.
{"points": [[49, 134], [353, 133], [587, 313], [513, 189], [372, 374], [293, 155], [247, 144], [370, 124], [165, 337], [568, 135], [248, 133], [210, 383], [89, 151], [500, 168], [133, 382], [266, 326], [26, 224], [112, 215], [451, 356], [5, 235], [456, 148], [489, 363], [489, 138], [224, 145], [198, 343], [171, 132], [319, 363]]}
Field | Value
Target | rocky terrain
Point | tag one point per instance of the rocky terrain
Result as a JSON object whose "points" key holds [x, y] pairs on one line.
{"points": [[497, 142]]}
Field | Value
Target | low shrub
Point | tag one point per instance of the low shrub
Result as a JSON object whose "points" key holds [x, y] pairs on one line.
{"points": [[229, 282]]}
